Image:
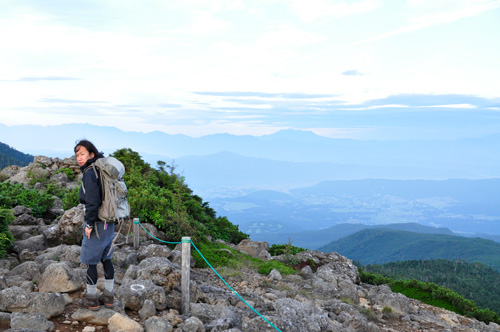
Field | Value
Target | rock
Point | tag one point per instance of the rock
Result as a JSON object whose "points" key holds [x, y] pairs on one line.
{"points": [[60, 278], [100, 317], [265, 255], [119, 322], [154, 250], [148, 309], [331, 282], [14, 299], [159, 270], [301, 316], [275, 275], [66, 230], [192, 324], [23, 272], [158, 324], [306, 272], [18, 231], [34, 244], [48, 304], [42, 161], [253, 248], [207, 312], [30, 321], [25, 220], [134, 293]]}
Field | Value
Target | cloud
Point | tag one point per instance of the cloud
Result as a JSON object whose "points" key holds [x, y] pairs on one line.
{"points": [[70, 101], [429, 100], [313, 10], [454, 11], [352, 72], [255, 94]]}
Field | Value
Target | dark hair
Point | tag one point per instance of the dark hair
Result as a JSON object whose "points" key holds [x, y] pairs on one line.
{"points": [[89, 146]]}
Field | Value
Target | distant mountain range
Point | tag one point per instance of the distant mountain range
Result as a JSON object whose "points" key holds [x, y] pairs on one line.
{"points": [[10, 156], [378, 246], [222, 163]]}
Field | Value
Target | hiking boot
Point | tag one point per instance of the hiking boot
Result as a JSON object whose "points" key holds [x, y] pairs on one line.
{"points": [[107, 298], [91, 302]]}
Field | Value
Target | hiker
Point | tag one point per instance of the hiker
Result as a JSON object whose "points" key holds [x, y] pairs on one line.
{"points": [[98, 235]]}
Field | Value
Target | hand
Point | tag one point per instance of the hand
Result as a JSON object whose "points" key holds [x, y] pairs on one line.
{"points": [[87, 232]]}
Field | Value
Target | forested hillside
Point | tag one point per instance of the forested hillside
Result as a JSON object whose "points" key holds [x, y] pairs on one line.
{"points": [[473, 281], [10, 156], [378, 246]]}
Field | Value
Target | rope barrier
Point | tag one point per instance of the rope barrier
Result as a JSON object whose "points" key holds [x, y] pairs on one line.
{"points": [[218, 275]]}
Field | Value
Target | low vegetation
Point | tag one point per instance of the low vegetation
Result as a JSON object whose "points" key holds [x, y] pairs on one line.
{"points": [[432, 294]]}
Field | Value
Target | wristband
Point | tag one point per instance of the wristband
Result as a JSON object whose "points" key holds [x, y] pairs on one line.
{"points": [[89, 227]]}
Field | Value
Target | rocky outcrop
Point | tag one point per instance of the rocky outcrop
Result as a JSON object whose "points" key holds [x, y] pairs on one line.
{"points": [[42, 281]]}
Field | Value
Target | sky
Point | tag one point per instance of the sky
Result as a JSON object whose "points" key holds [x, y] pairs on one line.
{"points": [[367, 69]]}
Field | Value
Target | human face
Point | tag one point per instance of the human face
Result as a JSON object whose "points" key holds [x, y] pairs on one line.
{"points": [[82, 155]]}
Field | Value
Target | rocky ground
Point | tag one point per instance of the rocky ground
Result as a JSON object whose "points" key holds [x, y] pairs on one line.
{"points": [[42, 281]]}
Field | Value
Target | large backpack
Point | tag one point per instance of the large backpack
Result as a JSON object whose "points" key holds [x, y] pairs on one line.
{"points": [[114, 206]]}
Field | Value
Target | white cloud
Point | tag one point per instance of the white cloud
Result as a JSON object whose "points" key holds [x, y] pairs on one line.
{"points": [[313, 10]]}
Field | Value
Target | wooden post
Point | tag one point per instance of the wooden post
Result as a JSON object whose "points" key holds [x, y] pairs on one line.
{"points": [[185, 271], [136, 233]]}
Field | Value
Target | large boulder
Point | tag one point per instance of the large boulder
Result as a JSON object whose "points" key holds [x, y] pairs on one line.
{"points": [[33, 244], [36, 322], [253, 248], [67, 229], [133, 293], [15, 299], [159, 270], [60, 278]]}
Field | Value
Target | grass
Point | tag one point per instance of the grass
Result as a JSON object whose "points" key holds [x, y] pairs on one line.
{"points": [[221, 255]]}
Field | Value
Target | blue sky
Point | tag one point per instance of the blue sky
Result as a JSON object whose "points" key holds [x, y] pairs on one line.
{"points": [[368, 69]]}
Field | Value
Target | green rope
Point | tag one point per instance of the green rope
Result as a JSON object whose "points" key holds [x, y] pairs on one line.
{"points": [[185, 241], [138, 222], [264, 318]]}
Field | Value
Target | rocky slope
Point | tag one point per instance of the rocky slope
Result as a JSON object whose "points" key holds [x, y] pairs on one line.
{"points": [[42, 281]]}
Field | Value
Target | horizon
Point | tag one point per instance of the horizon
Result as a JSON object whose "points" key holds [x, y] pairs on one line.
{"points": [[365, 70]]}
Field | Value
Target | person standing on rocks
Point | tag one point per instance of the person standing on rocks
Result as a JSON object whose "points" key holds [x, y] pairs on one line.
{"points": [[98, 236]]}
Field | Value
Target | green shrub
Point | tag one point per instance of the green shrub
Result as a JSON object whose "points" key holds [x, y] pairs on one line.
{"points": [[6, 239], [160, 197], [284, 249], [71, 199], [68, 171], [12, 195]]}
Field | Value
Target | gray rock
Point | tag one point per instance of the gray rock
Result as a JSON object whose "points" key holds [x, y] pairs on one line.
{"points": [[42, 161], [157, 324], [48, 304], [306, 272], [148, 309], [18, 231], [275, 275], [30, 321], [192, 324], [134, 293], [18, 210], [253, 248], [60, 278], [35, 244], [207, 312], [23, 272], [99, 317], [159, 270], [154, 250], [14, 299], [25, 220]]}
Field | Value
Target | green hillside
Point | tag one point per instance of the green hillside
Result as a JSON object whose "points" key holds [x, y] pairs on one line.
{"points": [[10, 156], [378, 246], [473, 281]]}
